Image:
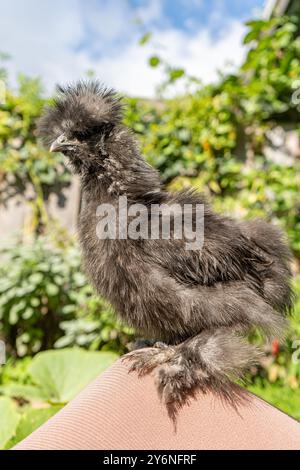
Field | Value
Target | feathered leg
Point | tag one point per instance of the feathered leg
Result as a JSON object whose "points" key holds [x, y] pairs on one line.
{"points": [[218, 354], [209, 360]]}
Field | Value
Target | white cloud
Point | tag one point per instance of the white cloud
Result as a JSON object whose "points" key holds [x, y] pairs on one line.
{"points": [[105, 22], [60, 41], [152, 11], [201, 54]]}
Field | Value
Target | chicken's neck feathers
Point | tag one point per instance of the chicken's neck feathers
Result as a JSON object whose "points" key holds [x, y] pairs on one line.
{"points": [[122, 172]]}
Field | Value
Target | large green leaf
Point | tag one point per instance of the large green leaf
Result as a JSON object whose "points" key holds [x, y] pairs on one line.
{"points": [[61, 375], [9, 419], [23, 391], [30, 420]]}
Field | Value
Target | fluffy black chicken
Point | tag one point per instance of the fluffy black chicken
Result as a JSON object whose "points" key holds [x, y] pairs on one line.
{"points": [[197, 306]]}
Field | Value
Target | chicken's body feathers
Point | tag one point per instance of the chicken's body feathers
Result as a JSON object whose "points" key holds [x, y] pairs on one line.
{"points": [[198, 302]]}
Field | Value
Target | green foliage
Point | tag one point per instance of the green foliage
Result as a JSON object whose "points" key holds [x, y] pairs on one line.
{"points": [[273, 65], [60, 375], [47, 383], [20, 156], [270, 191], [95, 327], [154, 61], [10, 417], [145, 38], [3, 73], [286, 399], [27, 168], [39, 285], [277, 378], [41, 289], [263, 189], [29, 420]]}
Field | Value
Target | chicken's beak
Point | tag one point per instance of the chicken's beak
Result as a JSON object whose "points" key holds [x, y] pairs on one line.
{"points": [[60, 144]]}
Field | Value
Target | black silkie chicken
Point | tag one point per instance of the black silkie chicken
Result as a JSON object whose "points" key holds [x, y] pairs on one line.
{"points": [[196, 306]]}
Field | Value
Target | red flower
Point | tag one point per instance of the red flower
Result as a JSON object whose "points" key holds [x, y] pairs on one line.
{"points": [[275, 347]]}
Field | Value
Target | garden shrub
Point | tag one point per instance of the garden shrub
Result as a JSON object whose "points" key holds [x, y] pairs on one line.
{"points": [[46, 302]]}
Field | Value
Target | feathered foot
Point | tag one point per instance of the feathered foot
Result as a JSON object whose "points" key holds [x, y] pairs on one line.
{"points": [[143, 361], [208, 361]]}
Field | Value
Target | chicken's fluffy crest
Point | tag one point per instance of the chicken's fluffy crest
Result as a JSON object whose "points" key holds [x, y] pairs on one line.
{"points": [[80, 105]]}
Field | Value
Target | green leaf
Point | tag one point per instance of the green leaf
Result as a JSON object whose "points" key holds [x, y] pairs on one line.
{"points": [[9, 420], [175, 74], [26, 392], [145, 38], [251, 36], [30, 421], [61, 375], [154, 61], [52, 290], [35, 278]]}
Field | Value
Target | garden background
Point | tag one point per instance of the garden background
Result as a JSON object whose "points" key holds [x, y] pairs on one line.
{"points": [[219, 138]]}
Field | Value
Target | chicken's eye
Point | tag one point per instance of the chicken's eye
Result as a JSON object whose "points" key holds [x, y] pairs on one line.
{"points": [[81, 135], [86, 134]]}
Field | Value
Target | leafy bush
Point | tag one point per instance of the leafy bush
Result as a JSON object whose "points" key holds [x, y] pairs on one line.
{"points": [[46, 302], [27, 169], [242, 106], [95, 327], [46, 384], [265, 190]]}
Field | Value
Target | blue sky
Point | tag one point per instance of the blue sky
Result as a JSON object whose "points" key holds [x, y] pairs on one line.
{"points": [[60, 40]]}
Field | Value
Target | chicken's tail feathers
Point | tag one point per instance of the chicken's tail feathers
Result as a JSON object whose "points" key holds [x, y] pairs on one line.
{"points": [[269, 241], [234, 303]]}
